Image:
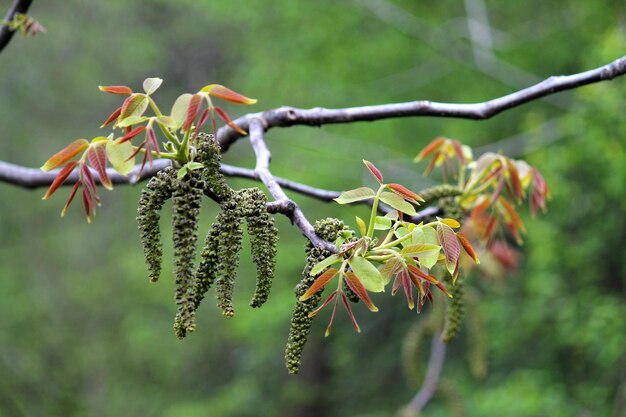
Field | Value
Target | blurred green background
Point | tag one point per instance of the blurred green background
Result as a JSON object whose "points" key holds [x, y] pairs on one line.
{"points": [[83, 332]]}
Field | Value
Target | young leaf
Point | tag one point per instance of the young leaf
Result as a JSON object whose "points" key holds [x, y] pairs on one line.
{"points": [[450, 245], [367, 273], [320, 282], [344, 300], [71, 197], [451, 222], [150, 85], [390, 268], [65, 155], [430, 148], [382, 223], [192, 166], [358, 194], [420, 250], [181, 172], [361, 224], [60, 178], [467, 246], [98, 159], [179, 109], [320, 266], [131, 120], [167, 121], [112, 117], [398, 203], [405, 193], [119, 156], [374, 171], [134, 105], [116, 89], [427, 235], [192, 111], [353, 282], [222, 114], [227, 94]]}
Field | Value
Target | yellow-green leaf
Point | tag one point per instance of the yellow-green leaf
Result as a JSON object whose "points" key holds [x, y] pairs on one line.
{"points": [[150, 85], [420, 250], [118, 155], [367, 273], [361, 224], [358, 194], [395, 201]]}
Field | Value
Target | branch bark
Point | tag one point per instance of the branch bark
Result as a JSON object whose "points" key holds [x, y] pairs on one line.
{"points": [[19, 6]]}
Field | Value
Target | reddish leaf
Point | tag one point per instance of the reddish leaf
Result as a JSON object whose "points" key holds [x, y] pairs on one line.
{"points": [[432, 163], [192, 111], [60, 178], [131, 134], [201, 121], [397, 283], [458, 150], [467, 246], [407, 194], [222, 114], [332, 318], [320, 282], [116, 89], [227, 94], [152, 140], [355, 284], [88, 181], [328, 300], [430, 148], [98, 159], [134, 105], [515, 181], [88, 204], [112, 117], [374, 171], [71, 197], [416, 272], [344, 299], [449, 245], [65, 154]]}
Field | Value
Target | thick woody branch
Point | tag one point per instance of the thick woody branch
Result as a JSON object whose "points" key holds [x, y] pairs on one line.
{"points": [[263, 158], [290, 116], [19, 6]]}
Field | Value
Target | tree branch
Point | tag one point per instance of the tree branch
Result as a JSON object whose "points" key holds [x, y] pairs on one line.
{"points": [[291, 116], [19, 6], [263, 158], [431, 380]]}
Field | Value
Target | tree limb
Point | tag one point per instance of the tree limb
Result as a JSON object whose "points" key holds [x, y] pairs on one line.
{"points": [[19, 6], [291, 116]]}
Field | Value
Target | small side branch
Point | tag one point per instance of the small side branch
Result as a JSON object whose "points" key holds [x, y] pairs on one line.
{"points": [[431, 380], [263, 158], [19, 6], [290, 116]]}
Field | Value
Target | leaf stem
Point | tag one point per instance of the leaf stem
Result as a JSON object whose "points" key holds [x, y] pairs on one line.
{"points": [[370, 228]]}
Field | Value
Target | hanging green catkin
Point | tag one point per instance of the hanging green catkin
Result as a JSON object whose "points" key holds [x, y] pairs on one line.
{"points": [[451, 208], [209, 264], [439, 191], [475, 336], [327, 229], [263, 239], [455, 311], [153, 196], [186, 200], [230, 238], [208, 153]]}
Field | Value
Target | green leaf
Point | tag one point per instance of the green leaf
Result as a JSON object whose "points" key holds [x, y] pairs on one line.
{"points": [[426, 235], [179, 109], [132, 120], [391, 267], [320, 266], [192, 166], [135, 105], [118, 155], [182, 172], [420, 250], [358, 194], [367, 273], [382, 223], [361, 224], [450, 245], [150, 85], [395, 201], [167, 121]]}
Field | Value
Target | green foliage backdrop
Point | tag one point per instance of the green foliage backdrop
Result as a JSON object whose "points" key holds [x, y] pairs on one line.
{"points": [[83, 332]]}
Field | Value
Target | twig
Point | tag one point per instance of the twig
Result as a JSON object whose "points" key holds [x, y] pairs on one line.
{"points": [[291, 116], [431, 380], [263, 158], [19, 6]]}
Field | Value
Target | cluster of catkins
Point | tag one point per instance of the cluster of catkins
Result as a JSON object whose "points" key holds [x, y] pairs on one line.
{"points": [[328, 229], [220, 253]]}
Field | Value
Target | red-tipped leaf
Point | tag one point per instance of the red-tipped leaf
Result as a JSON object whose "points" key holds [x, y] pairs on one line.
{"points": [[134, 105], [227, 94], [222, 115], [328, 300], [355, 284], [60, 178], [71, 197], [88, 204], [131, 134], [320, 282], [201, 121], [449, 244], [192, 111], [116, 89], [344, 299], [112, 117], [430, 148], [467, 246], [374, 171], [404, 192], [98, 159], [65, 155]]}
